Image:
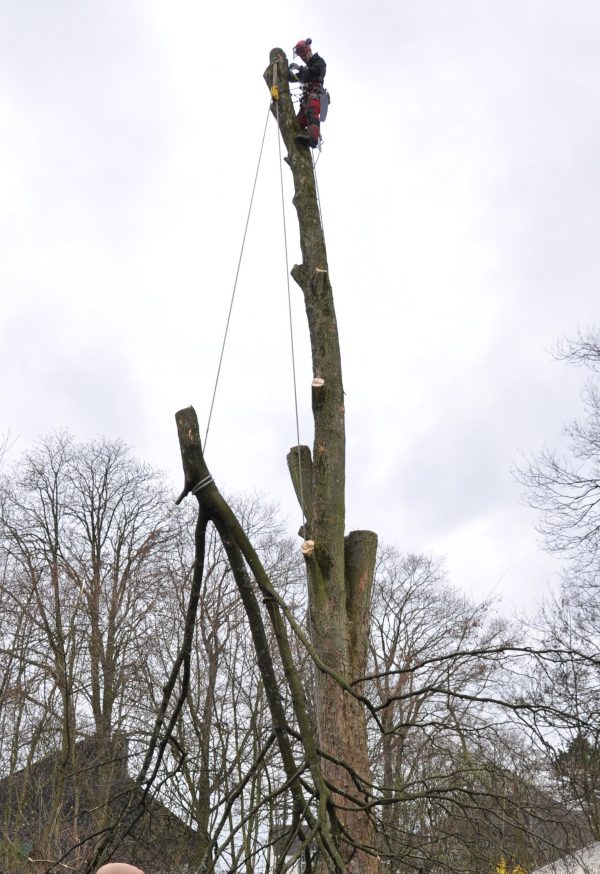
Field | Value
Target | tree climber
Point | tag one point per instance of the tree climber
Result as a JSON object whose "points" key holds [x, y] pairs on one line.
{"points": [[315, 99]]}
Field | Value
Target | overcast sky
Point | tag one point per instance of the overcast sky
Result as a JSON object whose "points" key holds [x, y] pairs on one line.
{"points": [[460, 188]]}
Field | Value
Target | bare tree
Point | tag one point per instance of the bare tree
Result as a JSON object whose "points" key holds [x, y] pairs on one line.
{"points": [[81, 534], [339, 569], [565, 489], [459, 752], [567, 680], [425, 641], [450, 765], [221, 751], [96, 566]]}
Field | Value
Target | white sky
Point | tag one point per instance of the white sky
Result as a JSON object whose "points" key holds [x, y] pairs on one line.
{"points": [[460, 186]]}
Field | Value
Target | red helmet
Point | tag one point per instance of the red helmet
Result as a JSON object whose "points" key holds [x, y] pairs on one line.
{"points": [[302, 47]]}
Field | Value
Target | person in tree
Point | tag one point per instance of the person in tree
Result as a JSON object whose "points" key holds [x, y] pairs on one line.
{"points": [[315, 99]]}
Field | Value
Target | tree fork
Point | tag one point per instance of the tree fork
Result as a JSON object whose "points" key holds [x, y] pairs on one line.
{"points": [[198, 481]]}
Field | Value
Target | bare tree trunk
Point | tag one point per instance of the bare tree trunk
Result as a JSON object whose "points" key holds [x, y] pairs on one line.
{"points": [[340, 570]]}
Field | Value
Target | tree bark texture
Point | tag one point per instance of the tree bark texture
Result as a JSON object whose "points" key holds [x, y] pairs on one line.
{"points": [[340, 570]]}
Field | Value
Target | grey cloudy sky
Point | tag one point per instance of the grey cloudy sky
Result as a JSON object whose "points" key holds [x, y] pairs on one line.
{"points": [[460, 189]]}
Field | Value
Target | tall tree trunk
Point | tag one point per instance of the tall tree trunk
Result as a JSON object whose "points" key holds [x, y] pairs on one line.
{"points": [[340, 569]]}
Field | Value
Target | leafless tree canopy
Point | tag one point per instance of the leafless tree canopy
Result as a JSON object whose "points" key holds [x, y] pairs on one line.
{"points": [[471, 759], [565, 489]]}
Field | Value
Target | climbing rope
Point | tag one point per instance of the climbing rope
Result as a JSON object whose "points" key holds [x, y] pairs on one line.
{"points": [[289, 295], [291, 322], [314, 163], [208, 479], [237, 273], [300, 477]]}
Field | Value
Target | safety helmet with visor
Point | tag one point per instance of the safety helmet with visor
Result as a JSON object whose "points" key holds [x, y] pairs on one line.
{"points": [[303, 49]]}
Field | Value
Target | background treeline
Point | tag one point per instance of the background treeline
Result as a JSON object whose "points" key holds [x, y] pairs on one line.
{"points": [[484, 732]]}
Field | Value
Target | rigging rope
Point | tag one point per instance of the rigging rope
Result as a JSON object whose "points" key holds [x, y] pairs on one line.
{"points": [[237, 273], [208, 479], [291, 323], [289, 297], [300, 477], [314, 163]]}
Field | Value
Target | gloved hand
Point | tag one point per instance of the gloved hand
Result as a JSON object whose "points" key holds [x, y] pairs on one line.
{"points": [[294, 66]]}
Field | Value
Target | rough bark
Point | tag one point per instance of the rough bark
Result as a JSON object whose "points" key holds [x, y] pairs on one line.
{"points": [[340, 570]]}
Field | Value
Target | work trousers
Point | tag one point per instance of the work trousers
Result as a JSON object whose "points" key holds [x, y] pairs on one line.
{"points": [[309, 115]]}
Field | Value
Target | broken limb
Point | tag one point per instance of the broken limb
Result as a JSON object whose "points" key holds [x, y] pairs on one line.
{"points": [[198, 481]]}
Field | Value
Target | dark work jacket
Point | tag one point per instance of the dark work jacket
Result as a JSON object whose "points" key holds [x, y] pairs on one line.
{"points": [[313, 71]]}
